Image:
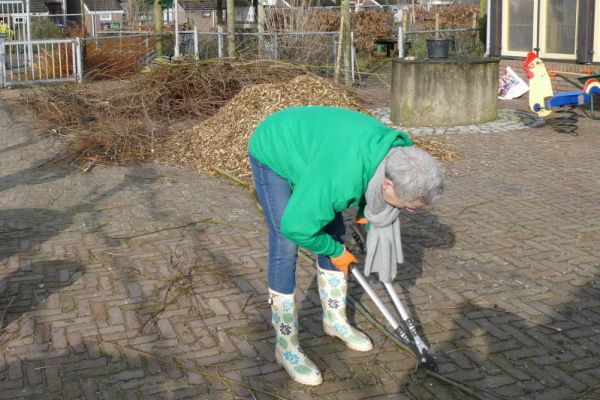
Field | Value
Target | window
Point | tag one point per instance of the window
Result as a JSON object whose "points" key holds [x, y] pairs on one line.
{"points": [[547, 25], [105, 17], [520, 25], [559, 22]]}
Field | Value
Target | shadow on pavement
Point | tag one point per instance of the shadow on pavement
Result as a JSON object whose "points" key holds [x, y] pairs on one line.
{"points": [[23, 290], [505, 355]]}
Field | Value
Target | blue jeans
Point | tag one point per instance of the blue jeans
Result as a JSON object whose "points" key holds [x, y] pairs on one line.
{"points": [[273, 193]]}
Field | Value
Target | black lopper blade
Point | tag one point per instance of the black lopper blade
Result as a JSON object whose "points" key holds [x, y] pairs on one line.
{"points": [[425, 358]]}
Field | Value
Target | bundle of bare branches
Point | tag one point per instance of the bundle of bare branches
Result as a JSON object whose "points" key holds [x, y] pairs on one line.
{"points": [[124, 120]]}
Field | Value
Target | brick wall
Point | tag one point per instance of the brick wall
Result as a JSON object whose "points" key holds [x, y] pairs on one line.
{"points": [[558, 84]]}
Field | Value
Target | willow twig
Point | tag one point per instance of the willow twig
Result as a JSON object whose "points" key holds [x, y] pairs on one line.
{"points": [[365, 312], [474, 205], [196, 371], [6, 309], [159, 230], [586, 392], [230, 176]]}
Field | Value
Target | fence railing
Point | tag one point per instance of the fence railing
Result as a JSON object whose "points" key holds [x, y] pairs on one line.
{"points": [[463, 42], [301, 47], [15, 14], [40, 61]]}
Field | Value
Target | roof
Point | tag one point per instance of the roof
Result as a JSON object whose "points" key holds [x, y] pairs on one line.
{"points": [[103, 5], [322, 3], [37, 6]]}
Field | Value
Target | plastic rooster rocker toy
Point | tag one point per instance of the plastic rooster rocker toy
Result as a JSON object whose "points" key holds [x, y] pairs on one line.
{"points": [[542, 100]]}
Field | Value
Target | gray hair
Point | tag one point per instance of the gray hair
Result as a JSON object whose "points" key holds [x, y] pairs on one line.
{"points": [[415, 173]]}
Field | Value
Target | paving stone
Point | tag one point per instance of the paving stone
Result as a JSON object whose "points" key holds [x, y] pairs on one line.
{"points": [[503, 261]]}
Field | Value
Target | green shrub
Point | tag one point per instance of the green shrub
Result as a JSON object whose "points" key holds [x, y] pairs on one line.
{"points": [[42, 28]]}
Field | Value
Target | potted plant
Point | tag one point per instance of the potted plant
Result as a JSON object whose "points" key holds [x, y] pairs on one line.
{"points": [[5, 32]]}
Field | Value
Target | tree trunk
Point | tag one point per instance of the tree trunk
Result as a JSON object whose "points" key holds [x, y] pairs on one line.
{"points": [[344, 46], [231, 53], [260, 13], [158, 27], [347, 44]]}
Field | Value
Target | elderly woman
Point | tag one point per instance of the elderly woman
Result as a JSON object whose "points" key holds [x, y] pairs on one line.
{"points": [[309, 164]]}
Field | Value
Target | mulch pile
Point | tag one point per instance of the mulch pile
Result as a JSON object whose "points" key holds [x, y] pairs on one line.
{"points": [[220, 142]]}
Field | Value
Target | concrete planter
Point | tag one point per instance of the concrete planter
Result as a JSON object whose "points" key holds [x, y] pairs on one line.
{"points": [[444, 91]]}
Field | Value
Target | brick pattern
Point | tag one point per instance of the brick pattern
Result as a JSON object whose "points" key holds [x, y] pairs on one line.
{"points": [[502, 277]]}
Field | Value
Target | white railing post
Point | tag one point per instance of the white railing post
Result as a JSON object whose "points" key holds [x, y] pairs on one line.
{"points": [[28, 29], [2, 63], [176, 19], [352, 54], [220, 40], [196, 50], [79, 60], [400, 42], [335, 47]]}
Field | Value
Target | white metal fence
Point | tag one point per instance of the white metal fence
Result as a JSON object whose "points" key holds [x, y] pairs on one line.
{"points": [[16, 14], [317, 49], [40, 61]]}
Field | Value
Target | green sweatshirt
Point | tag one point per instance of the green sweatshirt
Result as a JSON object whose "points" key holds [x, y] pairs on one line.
{"points": [[328, 155]]}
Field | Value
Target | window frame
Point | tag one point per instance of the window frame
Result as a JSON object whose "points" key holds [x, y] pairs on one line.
{"points": [[505, 30], [596, 57], [542, 33]]}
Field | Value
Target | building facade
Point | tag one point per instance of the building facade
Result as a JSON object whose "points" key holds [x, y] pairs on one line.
{"points": [[558, 30]]}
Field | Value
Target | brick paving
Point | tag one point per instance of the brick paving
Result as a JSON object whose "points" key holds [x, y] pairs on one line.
{"points": [[148, 282], [507, 121]]}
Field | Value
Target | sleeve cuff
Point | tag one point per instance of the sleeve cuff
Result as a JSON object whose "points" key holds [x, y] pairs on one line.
{"points": [[339, 250]]}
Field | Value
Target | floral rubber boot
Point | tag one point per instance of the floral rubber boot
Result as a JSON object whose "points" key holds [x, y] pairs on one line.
{"points": [[287, 348], [333, 287]]}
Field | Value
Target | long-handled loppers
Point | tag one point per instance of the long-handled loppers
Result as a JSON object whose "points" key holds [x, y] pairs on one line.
{"points": [[412, 338]]}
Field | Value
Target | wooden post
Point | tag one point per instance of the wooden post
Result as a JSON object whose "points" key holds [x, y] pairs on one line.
{"points": [[347, 41], [231, 53], [158, 27], [474, 20], [340, 49], [261, 27], [437, 24], [405, 22], [344, 46]]}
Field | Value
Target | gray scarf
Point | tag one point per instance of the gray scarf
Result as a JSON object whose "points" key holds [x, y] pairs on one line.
{"points": [[384, 245]]}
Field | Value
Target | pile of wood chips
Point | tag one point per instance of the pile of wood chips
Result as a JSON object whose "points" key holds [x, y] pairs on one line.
{"points": [[221, 141], [444, 152]]}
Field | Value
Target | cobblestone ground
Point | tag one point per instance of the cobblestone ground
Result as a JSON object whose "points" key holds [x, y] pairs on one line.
{"points": [[148, 282]]}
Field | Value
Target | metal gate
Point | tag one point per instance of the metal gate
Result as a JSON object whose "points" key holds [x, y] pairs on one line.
{"points": [[16, 15], [40, 61]]}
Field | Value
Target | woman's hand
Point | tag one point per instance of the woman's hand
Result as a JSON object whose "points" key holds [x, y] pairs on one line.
{"points": [[344, 261]]}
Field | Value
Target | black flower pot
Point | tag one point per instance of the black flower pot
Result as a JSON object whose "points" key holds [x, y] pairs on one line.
{"points": [[437, 48]]}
